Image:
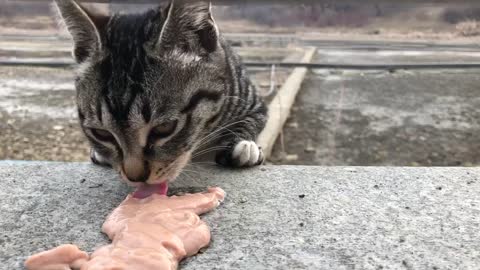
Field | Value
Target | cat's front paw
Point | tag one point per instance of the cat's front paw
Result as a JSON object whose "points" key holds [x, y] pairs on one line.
{"points": [[98, 159], [243, 154]]}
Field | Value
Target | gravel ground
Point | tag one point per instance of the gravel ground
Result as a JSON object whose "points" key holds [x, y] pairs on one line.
{"points": [[37, 115]]}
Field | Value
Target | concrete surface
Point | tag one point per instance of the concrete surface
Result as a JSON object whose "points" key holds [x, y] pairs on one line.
{"points": [[281, 217], [402, 118], [408, 56]]}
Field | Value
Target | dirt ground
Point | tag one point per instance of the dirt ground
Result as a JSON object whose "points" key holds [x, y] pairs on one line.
{"points": [[37, 115], [423, 23]]}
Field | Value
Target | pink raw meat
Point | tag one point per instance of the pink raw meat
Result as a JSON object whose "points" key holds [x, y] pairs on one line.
{"points": [[154, 233]]}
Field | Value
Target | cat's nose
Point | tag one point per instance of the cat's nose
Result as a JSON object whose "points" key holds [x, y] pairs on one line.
{"points": [[136, 170]]}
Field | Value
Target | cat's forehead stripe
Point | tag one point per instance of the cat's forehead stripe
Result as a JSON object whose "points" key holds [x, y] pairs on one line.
{"points": [[123, 69], [146, 111], [99, 110], [122, 78]]}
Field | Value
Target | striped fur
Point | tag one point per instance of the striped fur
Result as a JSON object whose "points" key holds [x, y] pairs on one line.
{"points": [[157, 88]]}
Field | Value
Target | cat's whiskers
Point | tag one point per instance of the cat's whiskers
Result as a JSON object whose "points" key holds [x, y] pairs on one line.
{"points": [[221, 128], [191, 178], [192, 171], [199, 171], [208, 139], [208, 150], [211, 139], [202, 162], [198, 166]]}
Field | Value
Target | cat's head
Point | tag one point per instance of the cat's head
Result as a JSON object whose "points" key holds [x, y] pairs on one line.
{"points": [[148, 85]]}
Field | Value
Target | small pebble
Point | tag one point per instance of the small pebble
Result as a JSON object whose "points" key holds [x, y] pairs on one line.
{"points": [[293, 157], [301, 196], [292, 125], [202, 250], [309, 149]]}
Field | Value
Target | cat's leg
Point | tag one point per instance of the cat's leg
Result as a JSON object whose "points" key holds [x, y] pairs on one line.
{"points": [[241, 148], [97, 159]]}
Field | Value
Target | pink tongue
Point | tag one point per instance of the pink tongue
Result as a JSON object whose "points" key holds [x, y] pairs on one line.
{"points": [[146, 190]]}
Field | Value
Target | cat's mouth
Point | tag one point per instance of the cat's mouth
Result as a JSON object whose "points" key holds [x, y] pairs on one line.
{"points": [[145, 190], [160, 184]]}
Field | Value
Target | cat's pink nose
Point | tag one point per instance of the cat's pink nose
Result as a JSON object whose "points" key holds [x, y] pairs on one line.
{"points": [[136, 170]]}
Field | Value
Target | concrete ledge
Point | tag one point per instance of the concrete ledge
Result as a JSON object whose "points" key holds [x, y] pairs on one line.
{"points": [[274, 217], [279, 107]]}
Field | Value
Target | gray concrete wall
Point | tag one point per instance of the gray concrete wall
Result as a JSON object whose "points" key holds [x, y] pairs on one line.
{"points": [[274, 217]]}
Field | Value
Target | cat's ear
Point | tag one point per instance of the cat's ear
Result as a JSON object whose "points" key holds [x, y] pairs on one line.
{"points": [[84, 26], [189, 26]]}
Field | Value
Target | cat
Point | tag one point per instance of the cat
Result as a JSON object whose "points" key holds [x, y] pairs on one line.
{"points": [[157, 88]]}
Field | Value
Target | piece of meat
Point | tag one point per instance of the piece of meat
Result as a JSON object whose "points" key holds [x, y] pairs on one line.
{"points": [[153, 233], [64, 257]]}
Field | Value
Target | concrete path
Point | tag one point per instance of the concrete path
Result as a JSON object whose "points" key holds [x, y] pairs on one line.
{"points": [[280, 217], [381, 118]]}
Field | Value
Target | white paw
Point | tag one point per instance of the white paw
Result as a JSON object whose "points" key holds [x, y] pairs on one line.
{"points": [[247, 153]]}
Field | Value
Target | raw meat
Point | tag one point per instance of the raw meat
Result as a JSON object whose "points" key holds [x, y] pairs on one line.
{"points": [[64, 257], [153, 233]]}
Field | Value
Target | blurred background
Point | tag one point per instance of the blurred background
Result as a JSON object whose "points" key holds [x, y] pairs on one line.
{"points": [[360, 108]]}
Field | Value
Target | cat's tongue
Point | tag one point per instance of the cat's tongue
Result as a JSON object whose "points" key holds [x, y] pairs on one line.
{"points": [[146, 190]]}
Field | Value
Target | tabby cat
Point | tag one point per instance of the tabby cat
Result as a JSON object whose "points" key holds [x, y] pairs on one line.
{"points": [[154, 89]]}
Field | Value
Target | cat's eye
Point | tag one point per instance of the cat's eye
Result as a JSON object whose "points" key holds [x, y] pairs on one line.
{"points": [[163, 130], [102, 135]]}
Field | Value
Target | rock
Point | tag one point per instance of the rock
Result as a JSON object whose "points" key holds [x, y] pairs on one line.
{"points": [[309, 148], [292, 157], [292, 125], [264, 84]]}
